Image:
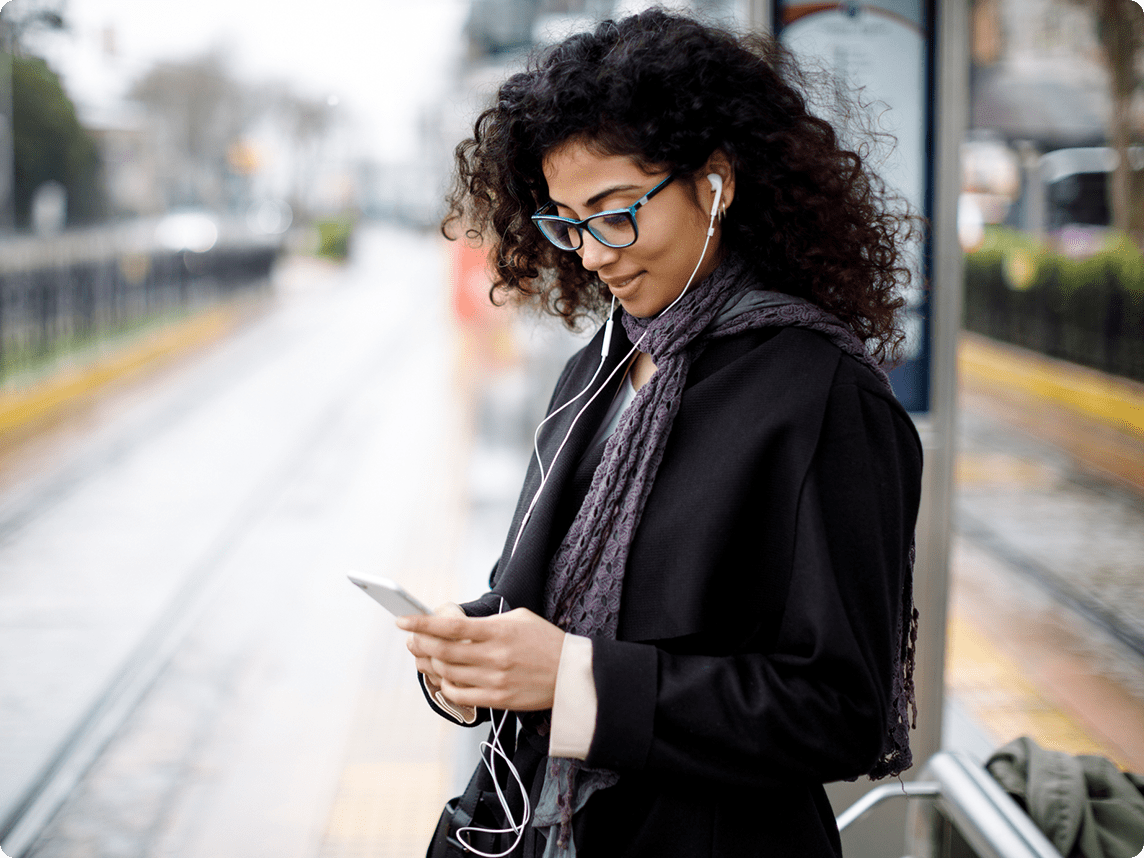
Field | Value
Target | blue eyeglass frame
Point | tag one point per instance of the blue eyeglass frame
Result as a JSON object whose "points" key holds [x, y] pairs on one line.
{"points": [[581, 225]]}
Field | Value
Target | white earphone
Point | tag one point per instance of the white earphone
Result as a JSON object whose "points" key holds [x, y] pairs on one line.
{"points": [[717, 187], [491, 752], [495, 750]]}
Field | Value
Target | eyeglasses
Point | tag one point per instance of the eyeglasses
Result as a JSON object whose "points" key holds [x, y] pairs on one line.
{"points": [[615, 228]]}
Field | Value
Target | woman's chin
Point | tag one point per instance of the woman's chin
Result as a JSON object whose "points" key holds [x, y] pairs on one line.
{"points": [[635, 308], [645, 306]]}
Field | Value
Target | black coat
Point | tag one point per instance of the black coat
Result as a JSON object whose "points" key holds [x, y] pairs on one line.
{"points": [[760, 604]]}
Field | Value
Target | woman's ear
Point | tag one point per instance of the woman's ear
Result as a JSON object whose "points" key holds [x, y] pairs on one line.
{"points": [[720, 164]]}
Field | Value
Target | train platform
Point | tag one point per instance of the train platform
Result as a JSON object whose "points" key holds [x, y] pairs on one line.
{"points": [[278, 717], [1046, 628]]}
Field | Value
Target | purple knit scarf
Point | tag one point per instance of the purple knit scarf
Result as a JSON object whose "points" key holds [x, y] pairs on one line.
{"points": [[586, 577]]}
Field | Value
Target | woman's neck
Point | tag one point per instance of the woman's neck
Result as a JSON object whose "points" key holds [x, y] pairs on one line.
{"points": [[642, 370]]}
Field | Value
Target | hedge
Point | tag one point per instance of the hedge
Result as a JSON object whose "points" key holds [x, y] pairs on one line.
{"points": [[335, 237], [1089, 311]]}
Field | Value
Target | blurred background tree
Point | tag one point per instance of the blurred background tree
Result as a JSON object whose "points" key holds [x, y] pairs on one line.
{"points": [[201, 117], [198, 109], [1120, 29], [1120, 26], [47, 142], [50, 145], [305, 122], [21, 18]]}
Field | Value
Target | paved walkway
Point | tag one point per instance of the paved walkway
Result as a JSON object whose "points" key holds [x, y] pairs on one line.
{"points": [[287, 724], [326, 436], [1048, 557]]}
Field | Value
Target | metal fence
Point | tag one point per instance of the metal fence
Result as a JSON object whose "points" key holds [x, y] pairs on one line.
{"points": [[64, 291]]}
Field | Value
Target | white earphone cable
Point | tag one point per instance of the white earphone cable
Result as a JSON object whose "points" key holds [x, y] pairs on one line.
{"points": [[717, 187], [491, 751]]}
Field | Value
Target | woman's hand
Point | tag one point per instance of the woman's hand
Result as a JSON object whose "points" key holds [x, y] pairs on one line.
{"points": [[506, 661], [424, 666]]}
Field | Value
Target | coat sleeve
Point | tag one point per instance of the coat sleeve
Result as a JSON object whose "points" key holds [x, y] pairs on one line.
{"points": [[491, 603], [481, 608], [814, 706]]}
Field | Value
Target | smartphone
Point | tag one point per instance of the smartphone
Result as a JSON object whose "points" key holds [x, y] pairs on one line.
{"points": [[389, 595]]}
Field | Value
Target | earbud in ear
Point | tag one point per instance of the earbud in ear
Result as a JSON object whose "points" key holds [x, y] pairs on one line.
{"points": [[717, 187]]}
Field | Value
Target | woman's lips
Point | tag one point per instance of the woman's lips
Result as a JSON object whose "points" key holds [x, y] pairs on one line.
{"points": [[624, 286]]}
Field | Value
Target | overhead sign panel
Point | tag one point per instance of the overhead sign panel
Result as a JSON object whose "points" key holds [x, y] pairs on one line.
{"points": [[884, 52]]}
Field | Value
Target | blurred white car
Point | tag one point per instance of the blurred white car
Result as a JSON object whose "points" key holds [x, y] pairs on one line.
{"points": [[190, 229]]}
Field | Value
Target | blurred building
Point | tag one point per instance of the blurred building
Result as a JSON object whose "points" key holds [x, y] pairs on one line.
{"points": [[1037, 156], [1037, 73], [130, 159], [507, 26]]}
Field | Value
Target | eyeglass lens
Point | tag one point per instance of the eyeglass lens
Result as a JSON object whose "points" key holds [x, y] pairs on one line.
{"points": [[615, 229]]}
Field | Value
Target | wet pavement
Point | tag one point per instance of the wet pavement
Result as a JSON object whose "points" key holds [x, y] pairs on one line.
{"points": [[191, 543], [1080, 535], [1046, 633], [186, 570]]}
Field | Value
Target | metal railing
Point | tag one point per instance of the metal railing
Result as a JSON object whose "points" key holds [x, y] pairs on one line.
{"points": [[79, 287], [965, 813]]}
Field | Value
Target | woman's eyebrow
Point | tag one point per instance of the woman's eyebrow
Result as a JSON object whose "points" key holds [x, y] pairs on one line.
{"points": [[604, 194]]}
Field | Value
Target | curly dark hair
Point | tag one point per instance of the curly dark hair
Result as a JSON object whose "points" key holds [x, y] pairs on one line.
{"points": [[668, 91]]}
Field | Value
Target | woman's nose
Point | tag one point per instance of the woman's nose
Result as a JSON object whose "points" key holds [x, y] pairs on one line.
{"points": [[594, 255]]}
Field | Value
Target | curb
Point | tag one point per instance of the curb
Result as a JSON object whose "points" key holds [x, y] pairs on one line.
{"points": [[1114, 401], [22, 410], [1097, 418]]}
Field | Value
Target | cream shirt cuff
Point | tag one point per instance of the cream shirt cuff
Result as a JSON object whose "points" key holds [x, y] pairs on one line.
{"points": [[574, 703], [463, 714]]}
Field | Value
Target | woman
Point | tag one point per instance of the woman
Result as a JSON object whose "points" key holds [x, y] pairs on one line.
{"points": [[703, 609]]}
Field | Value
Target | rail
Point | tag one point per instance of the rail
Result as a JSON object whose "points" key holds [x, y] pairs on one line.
{"points": [[67, 290], [967, 814]]}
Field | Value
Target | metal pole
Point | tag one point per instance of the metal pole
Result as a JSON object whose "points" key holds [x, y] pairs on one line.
{"points": [[7, 181], [760, 15], [938, 430]]}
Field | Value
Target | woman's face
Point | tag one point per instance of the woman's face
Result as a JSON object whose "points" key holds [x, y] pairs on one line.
{"points": [[650, 274]]}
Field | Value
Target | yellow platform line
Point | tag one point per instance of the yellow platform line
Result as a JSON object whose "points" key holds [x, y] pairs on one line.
{"points": [[385, 808], [23, 408], [999, 696], [1116, 402]]}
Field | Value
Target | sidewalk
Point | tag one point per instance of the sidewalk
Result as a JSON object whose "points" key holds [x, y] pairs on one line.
{"points": [[1095, 418], [1047, 498], [324, 437], [1016, 664]]}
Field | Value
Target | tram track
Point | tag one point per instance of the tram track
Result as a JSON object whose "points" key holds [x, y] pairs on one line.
{"points": [[1085, 605], [29, 505], [154, 651], [200, 585], [1072, 530]]}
